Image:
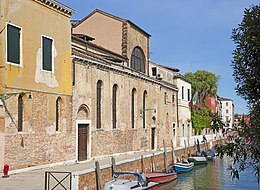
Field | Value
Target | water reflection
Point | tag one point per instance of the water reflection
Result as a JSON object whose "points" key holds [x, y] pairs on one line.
{"points": [[213, 176]]}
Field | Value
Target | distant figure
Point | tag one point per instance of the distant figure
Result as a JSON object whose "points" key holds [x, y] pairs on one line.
{"points": [[204, 138], [184, 160]]}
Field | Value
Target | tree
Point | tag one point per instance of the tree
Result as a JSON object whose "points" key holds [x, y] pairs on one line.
{"points": [[204, 85], [245, 146]]}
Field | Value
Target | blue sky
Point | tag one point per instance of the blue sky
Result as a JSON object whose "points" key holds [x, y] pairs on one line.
{"points": [[187, 34]]}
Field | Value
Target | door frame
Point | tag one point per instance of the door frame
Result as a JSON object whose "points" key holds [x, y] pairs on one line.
{"points": [[87, 122]]}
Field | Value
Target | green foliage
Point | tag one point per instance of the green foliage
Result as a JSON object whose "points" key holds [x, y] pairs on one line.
{"points": [[203, 82], [246, 56], [244, 146], [200, 120]]}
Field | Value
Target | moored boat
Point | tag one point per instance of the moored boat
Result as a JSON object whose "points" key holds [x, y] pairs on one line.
{"points": [[130, 180], [197, 160], [181, 167], [161, 177]]}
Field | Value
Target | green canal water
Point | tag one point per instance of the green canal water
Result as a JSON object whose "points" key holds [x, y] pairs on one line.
{"points": [[213, 176]]}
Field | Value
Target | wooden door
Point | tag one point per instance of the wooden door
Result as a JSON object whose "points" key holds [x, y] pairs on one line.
{"points": [[153, 139], [82, 141]]}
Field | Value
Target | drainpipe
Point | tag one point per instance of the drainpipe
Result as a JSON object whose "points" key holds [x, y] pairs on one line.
{"points": [[178, 127]]}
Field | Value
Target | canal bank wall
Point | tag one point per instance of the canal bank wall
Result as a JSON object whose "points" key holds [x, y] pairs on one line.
{"points": [[153, 161]]}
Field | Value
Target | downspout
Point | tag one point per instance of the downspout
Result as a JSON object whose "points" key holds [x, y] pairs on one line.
{"points": [[177, 103]]}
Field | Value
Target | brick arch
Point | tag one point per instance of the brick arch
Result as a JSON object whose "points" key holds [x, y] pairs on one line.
{"points": [[83, 112]]}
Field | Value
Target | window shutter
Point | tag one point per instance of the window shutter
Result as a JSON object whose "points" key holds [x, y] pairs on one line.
{"points": [[47, 54], [13, 44]]}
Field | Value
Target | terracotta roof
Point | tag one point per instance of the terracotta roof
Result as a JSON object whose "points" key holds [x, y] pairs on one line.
{"points": [[109, 55], [111, 16]]}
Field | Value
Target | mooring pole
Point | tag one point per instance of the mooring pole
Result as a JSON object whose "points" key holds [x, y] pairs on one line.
{"points": [[113, 165], [98, 176], [165, 156]]}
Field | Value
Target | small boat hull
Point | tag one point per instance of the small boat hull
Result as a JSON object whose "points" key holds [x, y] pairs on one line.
{"points": [[120, 182], [197, 160], [183, 167], [161, 177]]}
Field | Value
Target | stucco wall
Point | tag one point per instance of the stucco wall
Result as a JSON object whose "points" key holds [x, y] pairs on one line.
{"points": [[38, 143], [36, 20], [106, 31]]}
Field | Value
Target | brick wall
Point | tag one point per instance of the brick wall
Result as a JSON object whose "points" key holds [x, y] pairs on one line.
{"points": [[88, 180], [39, 143]]}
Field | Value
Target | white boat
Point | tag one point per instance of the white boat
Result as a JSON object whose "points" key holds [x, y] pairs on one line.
{"points": [[136, 181], [198, 160]]}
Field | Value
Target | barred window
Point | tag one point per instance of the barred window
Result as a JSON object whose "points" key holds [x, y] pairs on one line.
{"points": [[99, 86], [138, 60], [133, 108], [20, 113], [58, 113], [144, 108], [114, 98]]}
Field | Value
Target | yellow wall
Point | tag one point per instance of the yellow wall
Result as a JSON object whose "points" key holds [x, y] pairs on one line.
{"points": [[36, 20]]}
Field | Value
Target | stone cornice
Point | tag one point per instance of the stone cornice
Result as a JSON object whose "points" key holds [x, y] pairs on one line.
{"points": [[57, 6]]}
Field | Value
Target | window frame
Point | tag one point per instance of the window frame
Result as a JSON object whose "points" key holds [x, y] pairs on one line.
{"points": [[52, 54], [21, 45]]}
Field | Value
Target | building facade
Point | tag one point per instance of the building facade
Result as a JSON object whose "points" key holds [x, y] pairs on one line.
{"points": [[35, 83], [227, 111], [116, 102]]}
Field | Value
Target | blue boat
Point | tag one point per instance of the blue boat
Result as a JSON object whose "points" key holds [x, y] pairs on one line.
{"points": [[181, 167]]}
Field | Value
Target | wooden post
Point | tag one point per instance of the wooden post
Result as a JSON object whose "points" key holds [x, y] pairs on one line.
{"points": [[98, 176], [113, 166], [173, 153], [186, 151], [153, 163], [165, 156], [142, 163], [189, 154]]}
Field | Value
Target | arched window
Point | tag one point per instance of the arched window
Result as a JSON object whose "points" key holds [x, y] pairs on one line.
{"points": [[133, 108], [114, 97], [58, 113], [144, 107], [138, 59], [99, 86], [20, 113]]}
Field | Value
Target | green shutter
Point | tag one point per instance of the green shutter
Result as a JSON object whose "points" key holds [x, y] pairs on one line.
{"points": [[47, 54], [13, 44]]}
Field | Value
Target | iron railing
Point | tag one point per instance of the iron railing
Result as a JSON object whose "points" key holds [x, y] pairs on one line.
{"points": [[58, 180]]}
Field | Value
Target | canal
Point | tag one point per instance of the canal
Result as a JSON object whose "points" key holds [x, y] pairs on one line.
{"points": [[213, 176]]}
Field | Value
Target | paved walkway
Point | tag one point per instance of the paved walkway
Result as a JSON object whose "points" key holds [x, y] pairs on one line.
{"points": [[34, 180]]}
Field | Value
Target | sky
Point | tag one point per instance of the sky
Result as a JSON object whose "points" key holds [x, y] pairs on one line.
{"points": [[189, 35]]}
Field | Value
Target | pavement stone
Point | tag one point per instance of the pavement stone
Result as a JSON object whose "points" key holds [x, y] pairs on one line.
{"points": [[35, 180]]}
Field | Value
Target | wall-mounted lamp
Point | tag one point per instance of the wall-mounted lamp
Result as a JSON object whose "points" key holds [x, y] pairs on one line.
{"points": [[30, 96], [143, 110], [5, 96]]}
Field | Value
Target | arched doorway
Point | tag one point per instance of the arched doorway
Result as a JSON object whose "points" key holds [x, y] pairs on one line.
{"points": [[83, 133]]}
